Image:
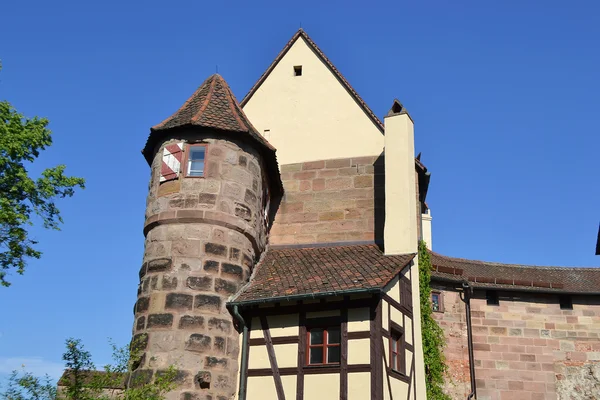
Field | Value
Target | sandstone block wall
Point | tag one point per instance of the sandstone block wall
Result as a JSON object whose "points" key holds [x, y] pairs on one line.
{"points": [[203, 236], [525, 348], [327, 201]]}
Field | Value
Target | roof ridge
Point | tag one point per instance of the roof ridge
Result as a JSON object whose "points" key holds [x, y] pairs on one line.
{"points": [[206, 102], [458, 259], [302, 33]]}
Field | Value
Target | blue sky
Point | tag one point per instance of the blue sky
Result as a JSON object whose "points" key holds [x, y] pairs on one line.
{"points": [[504, 96]]}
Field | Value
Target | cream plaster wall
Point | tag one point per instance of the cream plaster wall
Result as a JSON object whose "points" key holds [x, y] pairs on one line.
{"points": [[358, 320], [400, 229], [311, 117], [359, 386], [279, 325], [359, 351], [324, 386], [286, 354], [263, 388], [426, 229], [258, 357]]}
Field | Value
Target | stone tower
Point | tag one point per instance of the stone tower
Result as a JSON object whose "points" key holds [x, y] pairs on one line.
{"points": [[213, 181]]}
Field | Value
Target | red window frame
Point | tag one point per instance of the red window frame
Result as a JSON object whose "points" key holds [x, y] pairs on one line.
{"points": [[325, 345], [397, 355], [186, 159]]}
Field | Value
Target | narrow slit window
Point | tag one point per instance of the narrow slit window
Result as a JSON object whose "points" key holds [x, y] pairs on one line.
{"points": [[566, 302], [397, 351], [195, 160], [298, 70], [491, 297]]}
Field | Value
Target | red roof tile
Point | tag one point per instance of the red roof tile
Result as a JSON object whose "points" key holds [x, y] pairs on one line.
{"points": [[317, 271], [213, 106], [515, 276]]}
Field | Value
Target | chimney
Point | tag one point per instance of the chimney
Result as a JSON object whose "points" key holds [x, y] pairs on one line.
{"points": [[400, 230], [426, 228]]}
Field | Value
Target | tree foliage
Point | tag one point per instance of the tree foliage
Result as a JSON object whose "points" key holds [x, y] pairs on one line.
{"points": [[21, 141], [433, 335], [81, 381]]}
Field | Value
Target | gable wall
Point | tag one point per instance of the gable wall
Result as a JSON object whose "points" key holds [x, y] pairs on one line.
{"points": [[526, 347], [310, 117], [331, 201]]}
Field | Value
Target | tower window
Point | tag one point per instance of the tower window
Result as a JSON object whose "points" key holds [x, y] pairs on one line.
{"points": [[195, 160], [298, 70], [566, 302], [492, 298]]}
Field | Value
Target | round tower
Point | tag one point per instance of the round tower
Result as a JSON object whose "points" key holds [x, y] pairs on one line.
{"points": [[212, 181]]}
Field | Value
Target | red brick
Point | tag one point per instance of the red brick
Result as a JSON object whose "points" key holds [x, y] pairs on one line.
{"points": [[313, 165], [318, 184], [338, 163], [304, 175], [305, 186]]}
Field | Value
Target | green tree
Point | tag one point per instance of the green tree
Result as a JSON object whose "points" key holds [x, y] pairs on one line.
{"points": [[21, 141], [81, 381], [433, 335]]}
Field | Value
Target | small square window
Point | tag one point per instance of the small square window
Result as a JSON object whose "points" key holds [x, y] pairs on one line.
{"points": [[436, 301], [323, 345], [566, 302], [195, 160], [492, 298], [298, 70]]}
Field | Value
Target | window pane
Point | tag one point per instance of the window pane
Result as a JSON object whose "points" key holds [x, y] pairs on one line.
{"points": [[394, 361], [394, 345], [316, 355], [333, 335], [435, 302], [197, 153], [333, 354], [196, 168], [316, 336]]}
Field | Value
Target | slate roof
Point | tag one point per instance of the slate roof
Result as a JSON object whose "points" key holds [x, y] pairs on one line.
{"points": [[320, 271], [515, 276], [214, 106]]}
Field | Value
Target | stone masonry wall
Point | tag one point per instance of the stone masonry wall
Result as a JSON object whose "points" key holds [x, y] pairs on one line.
{"points": [[525, 348], [203, 236], [329, 201]]}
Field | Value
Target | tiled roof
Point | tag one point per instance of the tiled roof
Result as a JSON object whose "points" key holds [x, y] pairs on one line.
{"points": [[285, 272], [516, 277], [213, 105], [323, 57]]}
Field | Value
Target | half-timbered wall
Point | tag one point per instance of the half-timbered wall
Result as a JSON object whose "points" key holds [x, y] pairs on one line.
{"points": [[397, 317], [277, 351], [277, 360]]}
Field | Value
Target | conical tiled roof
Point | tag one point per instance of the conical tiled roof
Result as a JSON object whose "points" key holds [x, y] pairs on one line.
{"points": [[214, 106]]}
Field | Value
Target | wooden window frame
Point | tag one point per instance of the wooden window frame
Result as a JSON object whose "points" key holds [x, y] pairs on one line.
{"points": [[325, 324], [185, 160], [397, 336], [440, 302]]}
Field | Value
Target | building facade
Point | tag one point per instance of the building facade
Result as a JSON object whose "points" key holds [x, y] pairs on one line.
{"points": [[276, 269]]}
